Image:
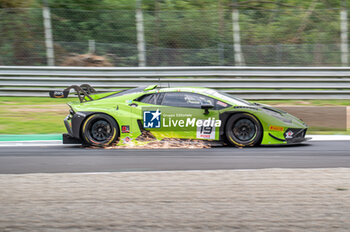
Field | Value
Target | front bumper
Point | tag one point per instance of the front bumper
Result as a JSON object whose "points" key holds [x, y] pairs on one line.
{"points": [[292, 136], [297, 140]]}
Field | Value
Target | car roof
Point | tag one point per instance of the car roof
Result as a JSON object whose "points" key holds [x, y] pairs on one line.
{"points": [[200, 90]]}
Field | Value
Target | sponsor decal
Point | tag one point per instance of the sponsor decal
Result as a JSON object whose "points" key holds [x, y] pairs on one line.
{"points": [[151, 119], [126, 129], [59, 94], [127, 140], [155, 119], [191, 122], [276, 128], [221, 103], [206, 132], [289, 134]]}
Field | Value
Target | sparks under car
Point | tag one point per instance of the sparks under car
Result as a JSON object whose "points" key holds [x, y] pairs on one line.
{"points": [[101, 119]]}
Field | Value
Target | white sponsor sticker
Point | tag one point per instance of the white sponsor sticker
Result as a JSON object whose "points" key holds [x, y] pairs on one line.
{"points": [[205, 132], [221, 103], [289, 134], [127, 140]]}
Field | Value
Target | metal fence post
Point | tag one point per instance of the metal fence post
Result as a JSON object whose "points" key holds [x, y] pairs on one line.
{"points": [[221, 55], [50, 56], [221, 22], [92, 46], [344, 35], [140, 34], [239, 61]]}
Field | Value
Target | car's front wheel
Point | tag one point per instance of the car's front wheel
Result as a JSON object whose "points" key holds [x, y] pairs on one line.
{"points": [[100, 130], [243, 129]]}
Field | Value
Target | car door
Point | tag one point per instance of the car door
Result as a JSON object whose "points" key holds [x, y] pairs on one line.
{"points": [[144, 106], [182, 116]]}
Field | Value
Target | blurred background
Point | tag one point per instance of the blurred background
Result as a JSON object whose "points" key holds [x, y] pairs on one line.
{"points": [[173, 32], [309, 35], [299, 50]]}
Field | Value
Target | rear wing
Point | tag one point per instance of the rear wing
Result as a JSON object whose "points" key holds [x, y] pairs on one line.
{"points": [[83, 92]]}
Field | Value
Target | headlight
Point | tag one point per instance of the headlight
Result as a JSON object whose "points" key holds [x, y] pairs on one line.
{"points": [[285, 120], [277, 115]]}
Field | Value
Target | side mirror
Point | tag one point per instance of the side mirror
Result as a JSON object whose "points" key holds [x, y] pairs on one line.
{"points": [[206, 108]]}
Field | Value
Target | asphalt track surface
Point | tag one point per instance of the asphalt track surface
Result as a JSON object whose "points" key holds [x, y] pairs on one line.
{"points": [[74, 159]]}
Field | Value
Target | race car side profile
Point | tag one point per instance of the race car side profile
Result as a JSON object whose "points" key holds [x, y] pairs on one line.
{"points": [[102, 119]]}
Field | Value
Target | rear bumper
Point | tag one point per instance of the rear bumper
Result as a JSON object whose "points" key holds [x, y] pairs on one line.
{"points": [[67, 123], [73, 122]]}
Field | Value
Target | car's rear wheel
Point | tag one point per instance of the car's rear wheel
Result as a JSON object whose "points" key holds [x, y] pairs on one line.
{"points": [[243, 129], [100, 130]]}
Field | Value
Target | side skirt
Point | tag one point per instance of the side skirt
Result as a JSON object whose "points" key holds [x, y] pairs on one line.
{"points": [[68, 139]]}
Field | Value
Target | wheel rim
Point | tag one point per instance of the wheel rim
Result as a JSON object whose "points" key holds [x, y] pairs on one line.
{"points": [[101, 131], [244, 129]]}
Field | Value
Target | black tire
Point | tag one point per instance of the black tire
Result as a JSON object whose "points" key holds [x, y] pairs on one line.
{"points": [[243, 130], [99, 130]]}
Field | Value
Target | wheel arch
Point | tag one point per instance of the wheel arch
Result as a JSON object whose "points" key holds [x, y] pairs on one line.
{"points": [[88, 115], [224, 117]]}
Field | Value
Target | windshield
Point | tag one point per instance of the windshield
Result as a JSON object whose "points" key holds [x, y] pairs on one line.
{"points": [[230, 99]]}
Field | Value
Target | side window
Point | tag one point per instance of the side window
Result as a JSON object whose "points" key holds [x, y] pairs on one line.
{"points": [[183, 99], [144, 98], [150, 98]]}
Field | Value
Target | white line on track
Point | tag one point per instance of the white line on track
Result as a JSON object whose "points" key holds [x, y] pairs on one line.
{"points": [[45, 143], [36, 143], [329, 137]]}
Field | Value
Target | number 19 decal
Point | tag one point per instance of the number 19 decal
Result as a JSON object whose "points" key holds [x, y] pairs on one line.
{"points": [[206, 132]]}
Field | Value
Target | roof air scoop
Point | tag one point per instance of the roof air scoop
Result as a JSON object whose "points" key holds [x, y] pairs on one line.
{"points": [[150, 87]]}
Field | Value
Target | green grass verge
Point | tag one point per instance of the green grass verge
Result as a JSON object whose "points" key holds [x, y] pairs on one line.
{"points": [[33, 100], [41, 115], [315, 132], [32, 115]]}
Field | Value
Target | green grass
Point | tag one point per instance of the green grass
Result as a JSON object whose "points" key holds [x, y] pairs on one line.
{"points": [[41, 115], [33, 100], [32, 115], [32, 123]]}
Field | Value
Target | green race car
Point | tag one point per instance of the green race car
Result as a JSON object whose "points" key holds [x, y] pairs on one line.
{"points": [[141, 115]]}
